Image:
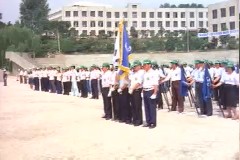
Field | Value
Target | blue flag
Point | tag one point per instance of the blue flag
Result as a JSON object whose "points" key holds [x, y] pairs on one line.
{"points": [[183, 84], [125, 51], [206, 89]]}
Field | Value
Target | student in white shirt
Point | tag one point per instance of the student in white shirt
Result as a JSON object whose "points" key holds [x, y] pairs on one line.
{"points": [[74, 88], [229, 80]]}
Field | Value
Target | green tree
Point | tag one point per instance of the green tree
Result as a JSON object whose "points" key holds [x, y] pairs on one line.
{"points": [[232, 43], [170, 44], [34, 14]]}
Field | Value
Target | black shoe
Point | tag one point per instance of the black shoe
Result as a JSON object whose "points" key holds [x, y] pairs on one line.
{"points": [[104, 116], [128, 122], [108, 118], [152, 126], [137, 124], [146, 125]]}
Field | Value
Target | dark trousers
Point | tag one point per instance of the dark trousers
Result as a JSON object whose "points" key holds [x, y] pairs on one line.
{"points": [[159, 96], [84, 91], [36, 83], [150, 108], [136, 102], [42, 84], [5, 81], [46, 84], [205, 106], [177, 99], [115, 103], [79, 86], [25, 79], [107, 105], [125, 108], [59, 87], [21, 79], [65, 88], [94, 86], [52, 86]]}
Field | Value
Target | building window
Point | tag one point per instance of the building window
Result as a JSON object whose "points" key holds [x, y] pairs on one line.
{"points": [[159, 14], [92, 24], [151, 14], [214, 14], [84, 23], [191, 14], [232, 11], [100, 13], [134, 14], [84, 32], [134, 6], [75, 13], [152, 24], [100, 23], [223, 12], [116, 14], [215, 27], [200, 24], [200, 14], [92, 13], [192, 24], [134, 24], [223, 26], [183, 24], [182, 14], [144, 24], [92, 33], [175, 15], [167, 23], [116, 24], [109, 24], [84, 13], [206, 14], [125, 14], [232, 25], [167, 15], [67, 14], [175, 23], [75, 24], [207, 24], [109, 14], [143, 14], [160, 24]]}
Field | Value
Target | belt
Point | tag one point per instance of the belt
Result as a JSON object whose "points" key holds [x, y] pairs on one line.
{"points": [[147, 89]]}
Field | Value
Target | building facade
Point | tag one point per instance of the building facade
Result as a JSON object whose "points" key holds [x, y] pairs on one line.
{"points": [[224, 16], [94, 19]]}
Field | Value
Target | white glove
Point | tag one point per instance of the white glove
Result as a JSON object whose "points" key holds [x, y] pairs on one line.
{"points": [[153, 96], [109, 94], [142, 95], [119, 90], [130, 91], [112, 89]]}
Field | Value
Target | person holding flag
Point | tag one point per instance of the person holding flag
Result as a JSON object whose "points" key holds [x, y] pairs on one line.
{"points": [[203, 91]]}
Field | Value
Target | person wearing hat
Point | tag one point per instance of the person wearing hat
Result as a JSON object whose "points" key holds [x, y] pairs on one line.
{"points": [[83, 82], [30, 78], [106, 84], [74, 75], [198, 79], [21, 75], [150, 89], [135, 90], [218, 71], [175, 76], [94, 76], [52, 75], [5, 77], [229, 81], [65, 81], [59, 76], [88, 80], [36, 79]]}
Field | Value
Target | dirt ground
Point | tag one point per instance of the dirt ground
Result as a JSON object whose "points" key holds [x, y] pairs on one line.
{"points": [[43, 126]]}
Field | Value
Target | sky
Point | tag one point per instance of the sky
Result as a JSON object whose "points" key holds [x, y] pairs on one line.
{"points": [[10, 8]]}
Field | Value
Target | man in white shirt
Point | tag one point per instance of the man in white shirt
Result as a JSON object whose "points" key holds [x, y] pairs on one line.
{"points": [[175, 76], [150, 88], [25, 74], [135, 90], [83, 82], [106, 84], [52, 75], [94, 76], [74, 88], [21, 76]]}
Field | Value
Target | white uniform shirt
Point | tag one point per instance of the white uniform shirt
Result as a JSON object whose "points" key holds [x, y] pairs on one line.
{"points": [[66, 77], [94, 74], [83, 75], [232, 78], [150, 79], [218, 72], [59, 76], [74, 75], [114, 80], [87, 75], [136, 78], [212, 72], [21, 73], [25, 73], [45, 73], [106, 79], [174, 75], [52, 74], [35, 74]]}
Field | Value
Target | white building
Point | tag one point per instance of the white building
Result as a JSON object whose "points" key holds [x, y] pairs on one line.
{"points": [[92, 19], [224, 15]]}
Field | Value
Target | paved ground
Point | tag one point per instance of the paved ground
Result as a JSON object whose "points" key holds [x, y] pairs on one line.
{"points": [[44, 126]]}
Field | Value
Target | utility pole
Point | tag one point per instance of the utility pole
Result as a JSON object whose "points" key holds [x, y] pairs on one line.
{"points": [[187, 40], [58, 39]]}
